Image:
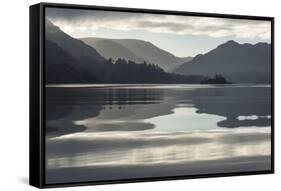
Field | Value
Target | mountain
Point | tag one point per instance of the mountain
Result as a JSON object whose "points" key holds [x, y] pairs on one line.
{"points": [[69, 60], [89, 58], [238, 63], [135, 50], [90, 65]]}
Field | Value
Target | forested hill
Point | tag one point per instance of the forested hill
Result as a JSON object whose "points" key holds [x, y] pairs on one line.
{"points": [[62, 68]]}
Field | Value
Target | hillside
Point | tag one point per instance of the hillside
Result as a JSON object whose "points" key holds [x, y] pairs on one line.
{"points": [[238, 63], [135, 50]]}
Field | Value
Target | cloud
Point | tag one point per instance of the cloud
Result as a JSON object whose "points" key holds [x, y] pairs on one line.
{"points": [[76, 21]]}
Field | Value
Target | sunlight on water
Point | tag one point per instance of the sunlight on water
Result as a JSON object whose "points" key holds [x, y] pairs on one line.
{"points": [[183, 119], [252, 117], [161, 148]]}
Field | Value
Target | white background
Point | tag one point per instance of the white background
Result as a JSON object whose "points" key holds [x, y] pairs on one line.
{"points": [[14, 88]]}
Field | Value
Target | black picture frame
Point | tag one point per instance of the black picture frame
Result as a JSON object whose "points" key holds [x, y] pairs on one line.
{"points": [[37, 94]]}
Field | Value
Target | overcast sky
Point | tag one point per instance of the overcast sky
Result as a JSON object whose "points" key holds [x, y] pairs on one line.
{"points": [[180, 35]]}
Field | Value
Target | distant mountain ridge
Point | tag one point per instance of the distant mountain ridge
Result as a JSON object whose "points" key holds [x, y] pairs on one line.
{"points": [[110, 49], [186, 59], [239, 63], [135, 50]]}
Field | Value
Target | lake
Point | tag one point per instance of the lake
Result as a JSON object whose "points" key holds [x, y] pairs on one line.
{"points": [[123, 131]]}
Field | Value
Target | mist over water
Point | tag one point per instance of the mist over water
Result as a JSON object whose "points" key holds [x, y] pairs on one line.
{"points": [[133, 131]]}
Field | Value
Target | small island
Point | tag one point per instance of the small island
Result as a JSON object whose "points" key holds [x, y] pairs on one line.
{"points": [[217, 79]]}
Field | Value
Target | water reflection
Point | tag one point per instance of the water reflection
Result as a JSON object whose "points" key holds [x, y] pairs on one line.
{"points": [[235, 102], [65, 106], [160, 128], [118, 108]]}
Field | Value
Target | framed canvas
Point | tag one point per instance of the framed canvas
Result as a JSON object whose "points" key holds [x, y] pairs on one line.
{"points": [[126, 95]]}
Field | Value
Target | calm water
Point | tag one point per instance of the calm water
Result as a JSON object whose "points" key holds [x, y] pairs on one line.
{"points": [[103, 132]]}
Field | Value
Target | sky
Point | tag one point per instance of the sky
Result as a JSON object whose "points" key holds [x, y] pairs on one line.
{"points": [[180, 35]]}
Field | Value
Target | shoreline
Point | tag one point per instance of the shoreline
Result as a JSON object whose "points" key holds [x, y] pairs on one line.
{"points": [[150, 85]]}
